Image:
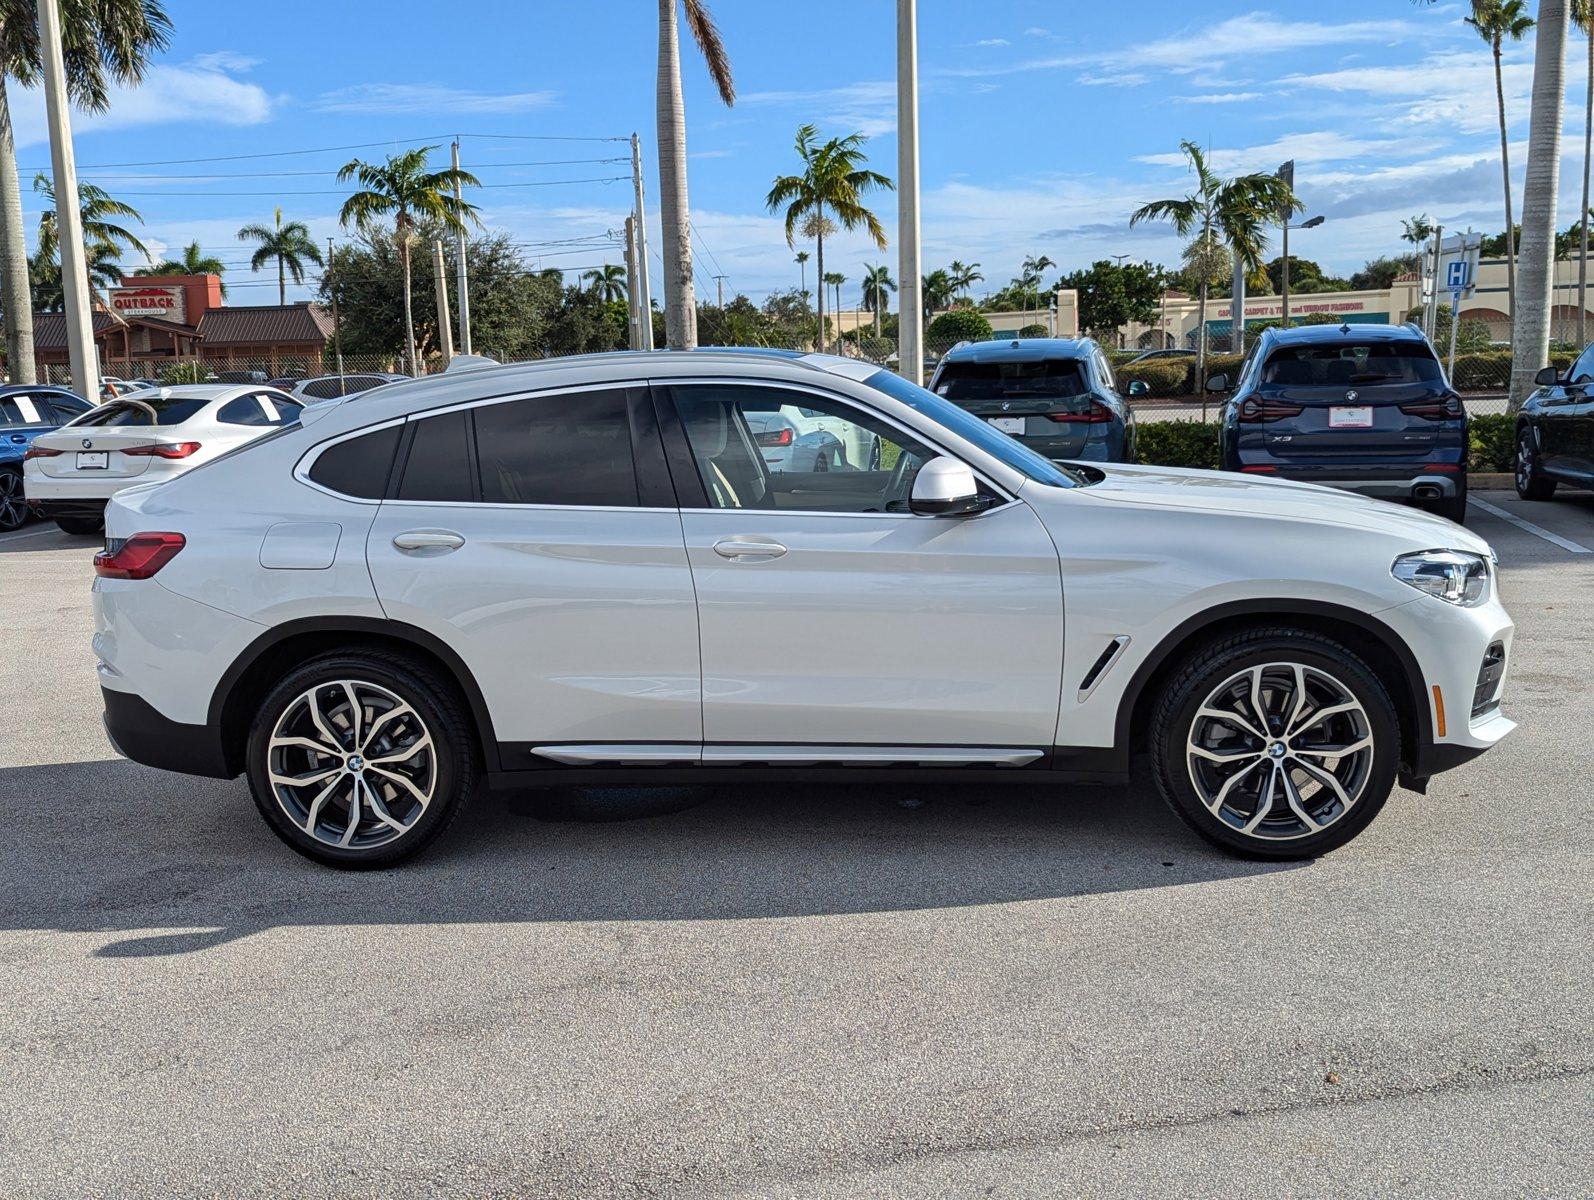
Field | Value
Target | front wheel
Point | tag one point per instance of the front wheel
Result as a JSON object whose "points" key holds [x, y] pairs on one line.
{"points": [[1276, 744], [360, 760], [1530, 480]]}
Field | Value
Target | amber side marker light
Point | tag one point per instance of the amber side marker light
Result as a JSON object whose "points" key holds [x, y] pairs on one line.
{"points": [[1439, 709]]}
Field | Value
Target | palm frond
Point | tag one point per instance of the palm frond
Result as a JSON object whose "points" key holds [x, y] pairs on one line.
{"points": [[707, 36]]}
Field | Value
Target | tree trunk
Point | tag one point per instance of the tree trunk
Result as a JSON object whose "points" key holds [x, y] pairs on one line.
{"points": [[1505, 167], [282, 282], [1582, 219], [1201, 346], [819, 272], [409, 316], [879, 299], [1530, 324], [16, 294], [675, 218]]}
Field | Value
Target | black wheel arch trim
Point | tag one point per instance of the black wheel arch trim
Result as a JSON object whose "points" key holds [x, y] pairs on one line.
{"points": [[1420, 758], [381, 627]]}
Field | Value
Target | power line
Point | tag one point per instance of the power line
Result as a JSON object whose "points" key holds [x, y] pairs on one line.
{"points": [[344, 191], [553, 162]]}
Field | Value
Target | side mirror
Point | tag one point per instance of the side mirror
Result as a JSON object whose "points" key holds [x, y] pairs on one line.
{"points": [[1218, 382], [1547, 377], [1137, 387], [945, 487]]}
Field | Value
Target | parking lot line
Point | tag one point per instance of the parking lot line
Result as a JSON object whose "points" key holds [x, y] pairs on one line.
{"points": [[17, 537], [1555, 539]]}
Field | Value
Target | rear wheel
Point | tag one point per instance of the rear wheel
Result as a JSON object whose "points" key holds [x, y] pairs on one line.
{"points": [[1530, 480], [1277, 744], [361, 760], [13, 508], [80, 525]]}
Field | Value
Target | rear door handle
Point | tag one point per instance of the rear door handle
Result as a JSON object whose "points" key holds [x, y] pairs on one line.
{"points": [[441, 540], [737, 548]]}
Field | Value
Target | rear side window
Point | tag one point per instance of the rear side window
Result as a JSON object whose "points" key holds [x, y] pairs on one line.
{"points": [[64, 407], [438, 466], [1352, 365], [258, 408], [571, 449], [149, 409], [18, 410], [360, 466], [323, 389], [963, 381]]}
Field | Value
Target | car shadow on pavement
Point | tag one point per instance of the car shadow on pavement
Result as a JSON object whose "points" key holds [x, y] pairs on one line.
{"points": [[109, 847]]}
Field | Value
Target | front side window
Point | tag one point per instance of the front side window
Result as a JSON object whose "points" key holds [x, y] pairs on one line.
{"points": [[1582, 371], [1352, 365], [438, 467], [763, 447], [570, 448]]}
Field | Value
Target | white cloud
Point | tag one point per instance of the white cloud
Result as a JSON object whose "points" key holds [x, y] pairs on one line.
{"points": [[869, 108], [993, 42], [1220, 98], [426, 98], [1311, 147], [1114, 79], [1451, 88], [202, 91]]}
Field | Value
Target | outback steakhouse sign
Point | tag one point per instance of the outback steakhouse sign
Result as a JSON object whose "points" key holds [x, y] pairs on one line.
{"points": [[151, 301]]}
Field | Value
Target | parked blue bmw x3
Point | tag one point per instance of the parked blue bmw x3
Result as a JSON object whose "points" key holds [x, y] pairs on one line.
{"points": [[1361, 407], [27, 410], [1056, 395]]}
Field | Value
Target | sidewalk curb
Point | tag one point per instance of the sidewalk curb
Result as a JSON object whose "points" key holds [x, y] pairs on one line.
{"points": [[1491, 481]]}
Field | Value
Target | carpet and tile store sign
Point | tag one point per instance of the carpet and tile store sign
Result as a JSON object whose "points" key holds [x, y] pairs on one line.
{"points": [[166, 302]]}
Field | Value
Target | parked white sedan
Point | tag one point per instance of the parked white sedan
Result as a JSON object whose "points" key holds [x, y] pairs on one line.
{"points": [[143, 437]]}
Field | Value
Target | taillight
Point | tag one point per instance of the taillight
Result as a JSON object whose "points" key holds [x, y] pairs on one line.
{"points": [[1097, 414], [780, 437], [40, 452], [1447, 409], [1255, 409], [1260, 470], [137, 557], [164, 450]]}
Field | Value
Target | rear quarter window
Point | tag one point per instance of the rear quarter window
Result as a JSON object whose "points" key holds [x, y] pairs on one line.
{"points": [[359, 466]]}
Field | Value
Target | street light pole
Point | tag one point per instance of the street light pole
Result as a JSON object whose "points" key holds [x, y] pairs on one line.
{"points": [[461, 284], [69, 221], [337, 335], [910, 315], [644, 297]]}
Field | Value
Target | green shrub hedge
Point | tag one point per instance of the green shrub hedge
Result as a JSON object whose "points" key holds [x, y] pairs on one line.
{"points": [[958, 325], [1493, 438], [1163, 377], [1177, 444]]}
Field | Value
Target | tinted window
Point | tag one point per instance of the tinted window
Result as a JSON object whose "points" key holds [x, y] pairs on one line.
{"points": [[148, 409], [573, 448], [438, 466], [962, 381], [359, 466], [323, 389], [1583, 369], [67, 407], [258, 408], [1351, 365], [17, 410]]}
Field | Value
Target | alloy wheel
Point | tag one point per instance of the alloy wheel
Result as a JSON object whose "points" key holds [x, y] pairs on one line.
{"points": [[352, 764], [13, 507], [1280, 751], [1524, 463]]}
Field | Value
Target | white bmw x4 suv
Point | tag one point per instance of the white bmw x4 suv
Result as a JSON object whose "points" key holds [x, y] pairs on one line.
{"points": [[584, 571]]}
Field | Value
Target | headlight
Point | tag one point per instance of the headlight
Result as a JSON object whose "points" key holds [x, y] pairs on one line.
{"points": [[1453, 576]]}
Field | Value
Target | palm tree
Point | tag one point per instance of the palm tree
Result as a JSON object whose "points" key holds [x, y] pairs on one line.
{"points": [[1530, 313], [877, 288], [1583, 16], [109, 41], [1495, 21], [680, 303], [834, 280], [1221, 213], [402, 188], [833, 183], [964, 276], [49, 295], [936, 290], [1417, 229], [97, 210], [608, 282], [193, 262], [802, 266], [1029, 277], [289, 244]]}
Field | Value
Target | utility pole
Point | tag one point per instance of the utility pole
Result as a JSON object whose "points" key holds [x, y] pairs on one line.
{"points": [[719, 291], [1286, 174], [1433, 292], [644, 298], [633, 313], [337, 334], [69, 221], [1237, 308], [910, 315], [445, 329], [461, 284]]}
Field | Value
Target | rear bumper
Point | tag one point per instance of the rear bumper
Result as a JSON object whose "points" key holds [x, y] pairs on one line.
{"points": [[50, 509], [1406, 487], [45, 489], [139, 733]]}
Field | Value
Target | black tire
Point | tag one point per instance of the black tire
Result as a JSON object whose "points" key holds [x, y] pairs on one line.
{"points": [[81, 525], [442, 715], [1454, 508], [1207, 669], [1530, 480], [13, 507]]}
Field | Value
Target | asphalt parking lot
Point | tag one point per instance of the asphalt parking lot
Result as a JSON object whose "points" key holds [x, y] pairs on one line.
{"points": [[829, 992]]}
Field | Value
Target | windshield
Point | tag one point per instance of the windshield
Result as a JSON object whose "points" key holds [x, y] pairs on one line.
{"points": [[1049, 378], [1350, 365], [971, 428], [146, 408]]}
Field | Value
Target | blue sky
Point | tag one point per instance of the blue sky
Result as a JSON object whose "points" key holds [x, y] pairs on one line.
{"points": [[1042, 124]]}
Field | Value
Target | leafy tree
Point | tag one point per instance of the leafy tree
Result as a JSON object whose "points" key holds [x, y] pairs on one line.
{"points": [[936, 290], [964, 276], [1033, 330], [833, 183], [104, 42], [1113, 294], [97, 210], [44, 272], [403, 189], [958, 325], [1378, 273], [1306, 277], [608, 281], [877, 288], [193, 262], [675, 220], [1416, 230], [289, 244]]}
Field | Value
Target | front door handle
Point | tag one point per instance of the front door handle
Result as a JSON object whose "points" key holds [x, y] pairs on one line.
{"points": [[739, 548], [441, 540]]}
